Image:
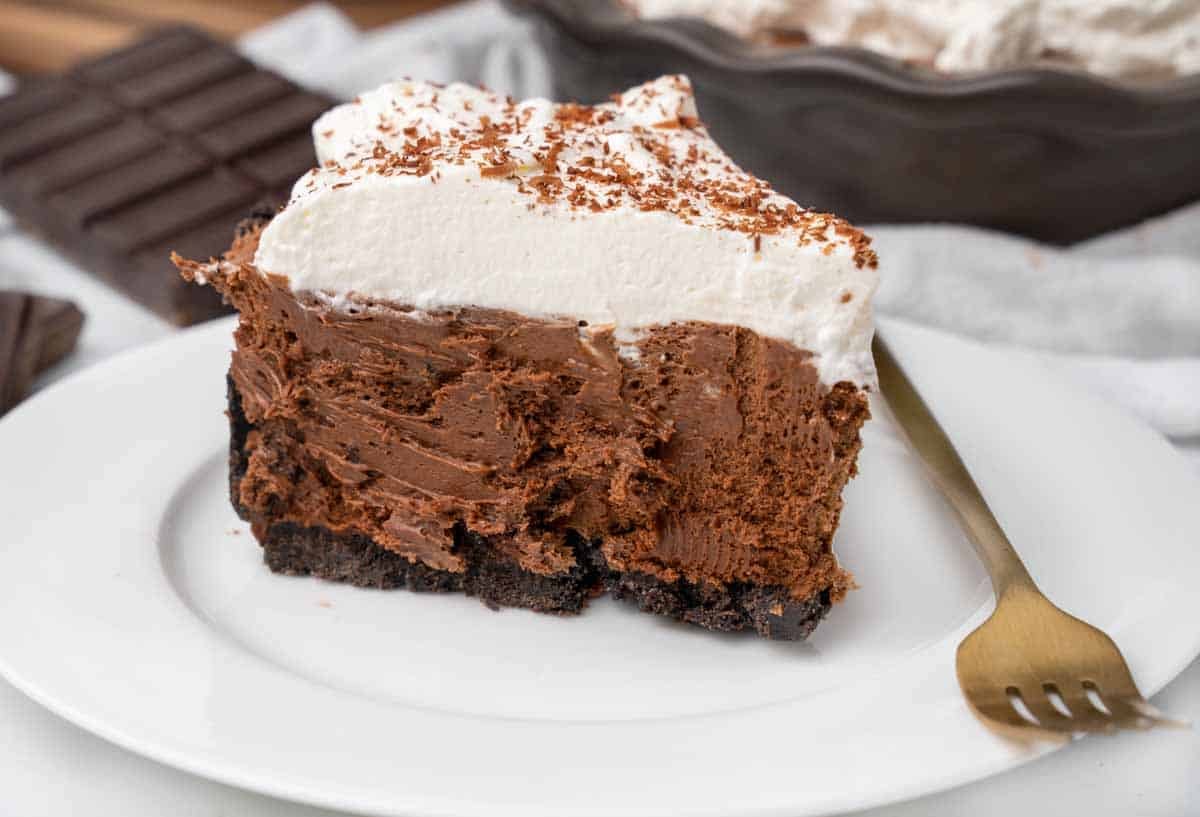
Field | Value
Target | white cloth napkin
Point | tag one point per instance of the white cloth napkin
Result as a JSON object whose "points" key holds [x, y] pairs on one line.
{"points": [[474, 42], [1118, 314]]}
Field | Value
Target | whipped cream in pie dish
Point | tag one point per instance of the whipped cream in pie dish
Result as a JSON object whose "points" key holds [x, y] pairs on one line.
{"points": [[1135, 39]]}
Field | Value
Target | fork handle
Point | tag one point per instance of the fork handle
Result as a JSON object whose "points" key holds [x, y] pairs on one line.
{"points": [[949, 474]]}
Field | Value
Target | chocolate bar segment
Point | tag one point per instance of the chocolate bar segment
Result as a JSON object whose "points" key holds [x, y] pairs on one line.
{"points": [[35, 333], [163, 145], [17, 357]]}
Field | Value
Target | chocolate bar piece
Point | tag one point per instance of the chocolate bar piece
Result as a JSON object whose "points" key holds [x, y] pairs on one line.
{"points": [[164, 145], [35, 333]]}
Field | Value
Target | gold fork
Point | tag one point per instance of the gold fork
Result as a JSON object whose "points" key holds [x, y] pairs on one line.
{"points": [[1030, 666]]}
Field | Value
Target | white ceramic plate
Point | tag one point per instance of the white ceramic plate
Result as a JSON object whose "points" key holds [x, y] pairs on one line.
{"points": [[134, 603]]}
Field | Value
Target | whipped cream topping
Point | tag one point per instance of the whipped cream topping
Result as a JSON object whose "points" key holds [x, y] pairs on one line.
{"points": [[624, 215], [1136, 39]]}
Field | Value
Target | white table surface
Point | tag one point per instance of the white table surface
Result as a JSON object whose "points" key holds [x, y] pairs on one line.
{"points": [[50, 768]]}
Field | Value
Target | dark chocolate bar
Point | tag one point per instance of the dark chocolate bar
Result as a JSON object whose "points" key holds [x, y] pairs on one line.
{"points": [[35, 333], [161, 146]]}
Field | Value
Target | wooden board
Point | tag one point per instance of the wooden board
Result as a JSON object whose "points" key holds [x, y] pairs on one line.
{"points": [[48, 36]]}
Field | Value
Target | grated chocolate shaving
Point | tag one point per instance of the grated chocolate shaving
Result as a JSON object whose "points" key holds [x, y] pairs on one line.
{"points": [[646, 151]]}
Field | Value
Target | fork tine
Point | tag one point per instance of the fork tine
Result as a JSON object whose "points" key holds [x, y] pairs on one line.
{"points": [[1120, 695], [1051, 718], [1084, 713], [1006, 721], [1127, 709], [1137, 713], [1083, 718], [1157, 715], [1003, 713]]}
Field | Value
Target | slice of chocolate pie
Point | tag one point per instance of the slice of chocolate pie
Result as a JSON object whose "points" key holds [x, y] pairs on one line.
{"points": [[537, 352]]}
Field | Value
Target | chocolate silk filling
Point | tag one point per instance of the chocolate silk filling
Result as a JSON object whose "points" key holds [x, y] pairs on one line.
{"points": [[700, 452]]}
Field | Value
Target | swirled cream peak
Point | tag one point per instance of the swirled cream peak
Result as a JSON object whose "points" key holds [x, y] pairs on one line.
{"points": [[1137, 39], [624, 215]]}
